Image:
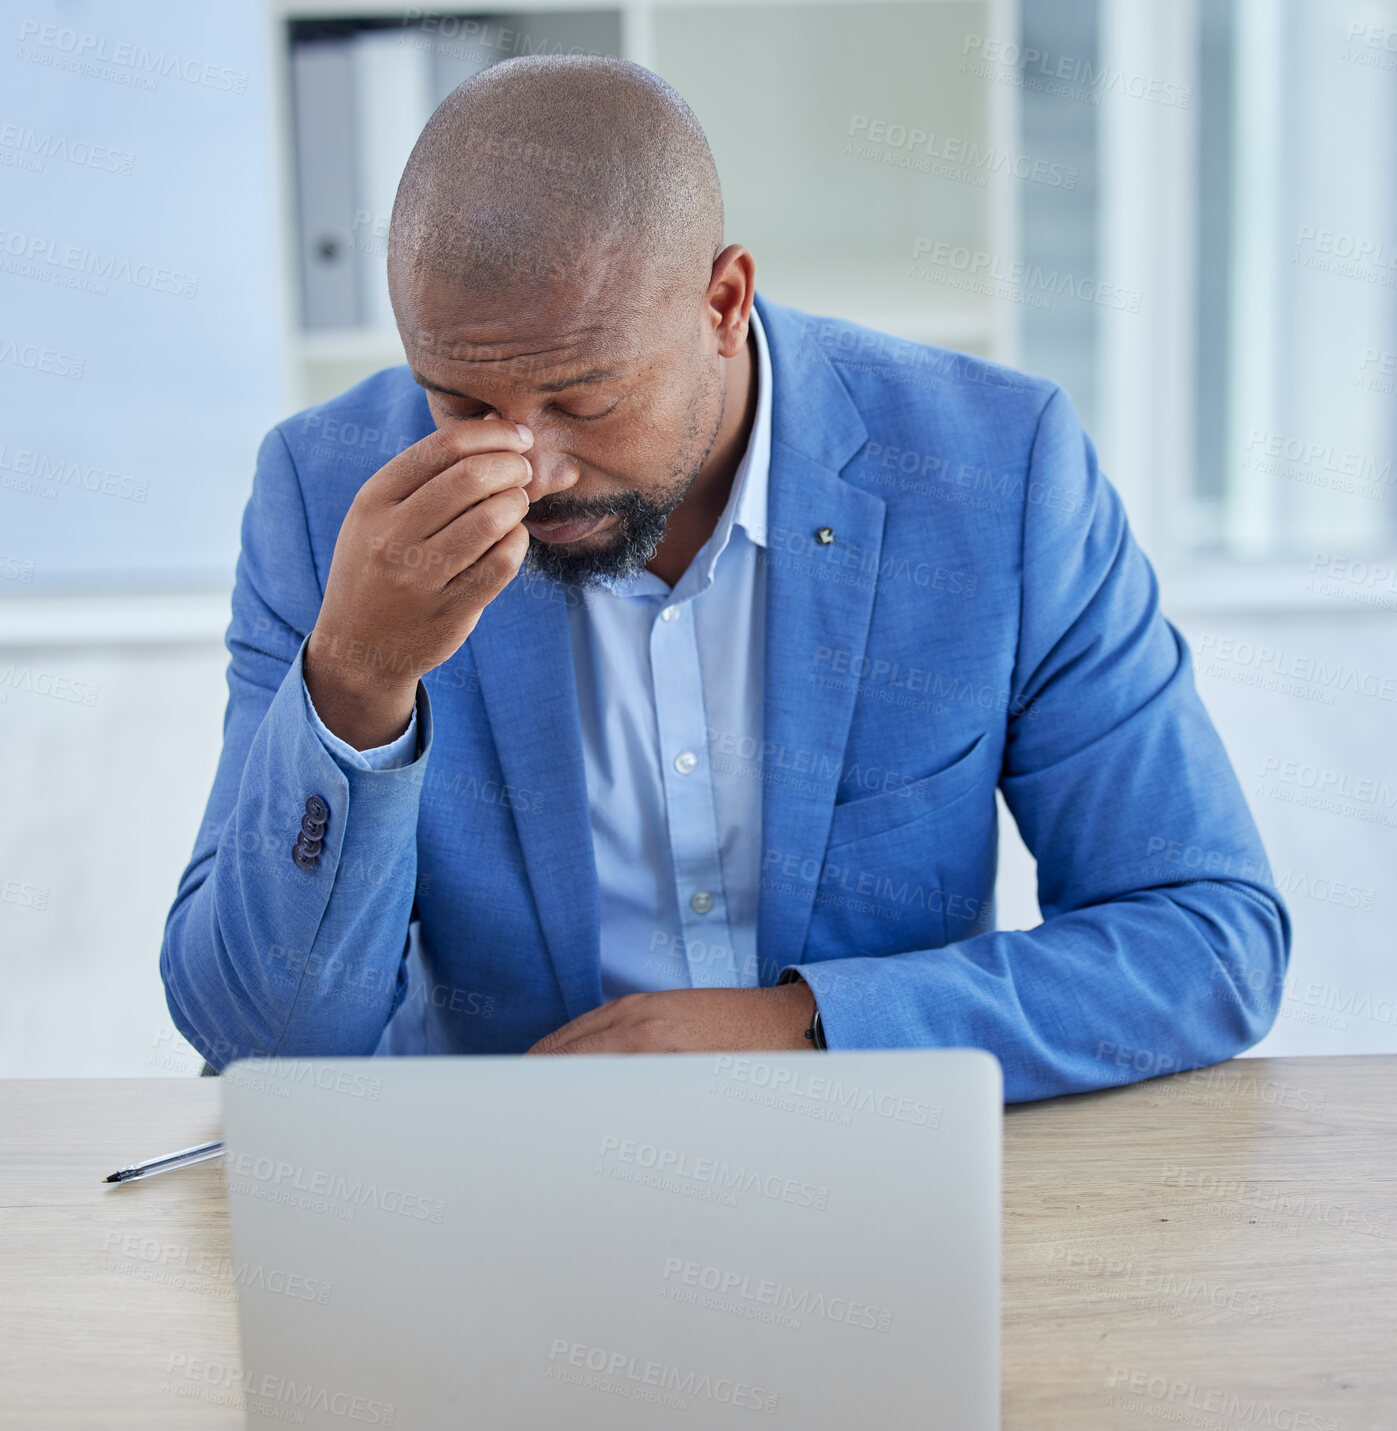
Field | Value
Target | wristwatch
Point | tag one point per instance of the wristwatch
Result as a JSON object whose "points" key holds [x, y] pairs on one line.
{"points": [[816, 1033]]}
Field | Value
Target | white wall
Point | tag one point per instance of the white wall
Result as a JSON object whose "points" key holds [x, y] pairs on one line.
{"points": [[103, 802], [1341, 992], [136, 159], [1335, 867]]}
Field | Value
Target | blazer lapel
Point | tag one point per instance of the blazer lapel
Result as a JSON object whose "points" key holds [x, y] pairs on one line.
{"points": [[523, 656], [819, 594]]}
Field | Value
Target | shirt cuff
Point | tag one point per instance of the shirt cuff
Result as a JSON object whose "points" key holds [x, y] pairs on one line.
{"points": [[393, 756]]}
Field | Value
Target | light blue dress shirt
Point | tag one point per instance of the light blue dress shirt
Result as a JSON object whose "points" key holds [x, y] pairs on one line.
{"points": [[669, 689]]}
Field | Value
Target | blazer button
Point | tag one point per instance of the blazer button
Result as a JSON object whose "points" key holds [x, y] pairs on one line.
{"points": [[317, 809], [312, 829], [305, 859]]}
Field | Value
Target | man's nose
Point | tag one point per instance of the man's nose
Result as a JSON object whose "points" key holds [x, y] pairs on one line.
{"points": [[553, 470]]}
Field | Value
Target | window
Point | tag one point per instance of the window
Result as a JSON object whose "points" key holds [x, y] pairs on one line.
{"points": [[1239, 365]]}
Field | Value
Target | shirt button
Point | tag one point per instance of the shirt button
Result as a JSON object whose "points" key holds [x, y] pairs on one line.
{"points": [[701, 902], [685, 761], [670, 613]]}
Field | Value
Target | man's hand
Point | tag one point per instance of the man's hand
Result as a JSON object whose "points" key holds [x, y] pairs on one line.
{"points": [[428, 542], [692, 1021]]}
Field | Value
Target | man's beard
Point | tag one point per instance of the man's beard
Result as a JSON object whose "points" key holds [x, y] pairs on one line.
{"points": [[630, 545], [642, 518]]}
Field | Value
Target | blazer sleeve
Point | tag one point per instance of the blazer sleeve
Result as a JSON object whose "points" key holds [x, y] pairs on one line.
{"points": [[1163, 944], [261, 956]]}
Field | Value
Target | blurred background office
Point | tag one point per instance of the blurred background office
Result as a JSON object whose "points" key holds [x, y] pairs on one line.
{"points": [[1181, 210]]}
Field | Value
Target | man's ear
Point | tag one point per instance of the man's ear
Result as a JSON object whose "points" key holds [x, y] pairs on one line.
{"points": [[731, 288]]}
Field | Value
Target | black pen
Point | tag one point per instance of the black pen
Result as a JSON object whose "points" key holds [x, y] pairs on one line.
{"points": [[183, 1159]]}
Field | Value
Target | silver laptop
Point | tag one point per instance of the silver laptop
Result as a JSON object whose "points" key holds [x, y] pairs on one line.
{"points": [[802, 1240]]}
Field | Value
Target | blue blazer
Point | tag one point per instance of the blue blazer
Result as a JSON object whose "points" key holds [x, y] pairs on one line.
{"points": [[982, 619]]}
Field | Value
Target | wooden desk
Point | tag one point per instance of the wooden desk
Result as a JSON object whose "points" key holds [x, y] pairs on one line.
{"points": [[1216, 1250]]}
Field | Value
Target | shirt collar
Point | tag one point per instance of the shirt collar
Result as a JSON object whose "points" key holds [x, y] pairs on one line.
{"points": [[746, 504], [748, 500]]}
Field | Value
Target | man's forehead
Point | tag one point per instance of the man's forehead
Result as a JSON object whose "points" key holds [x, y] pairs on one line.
{"points": [[514, 375], [544, 337], [447, 358]]}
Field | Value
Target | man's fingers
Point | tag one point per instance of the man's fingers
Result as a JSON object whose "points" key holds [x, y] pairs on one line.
{"points": [[418, 464], [688, 1021], [437, 503], [593, 1021], [550, 1045], [559, 1041], [476, 530], [492, 571], [610, 1041]]}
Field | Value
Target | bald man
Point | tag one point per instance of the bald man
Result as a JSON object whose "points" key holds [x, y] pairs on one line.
{"points": [[635, 669]]}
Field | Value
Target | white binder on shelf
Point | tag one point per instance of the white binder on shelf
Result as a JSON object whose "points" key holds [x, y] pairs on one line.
{"points": [[393, 99], [323, 116]]}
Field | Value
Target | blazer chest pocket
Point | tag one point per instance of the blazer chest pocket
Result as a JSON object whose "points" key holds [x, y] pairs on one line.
{"points": [[888, 810], [881, 881]]}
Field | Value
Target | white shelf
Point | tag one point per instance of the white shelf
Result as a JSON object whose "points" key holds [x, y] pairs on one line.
{"points": [[349, 345], [114, 620], [949, 327], [857, 272], [1224, 585], [1204, 589], [382, 10]]}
